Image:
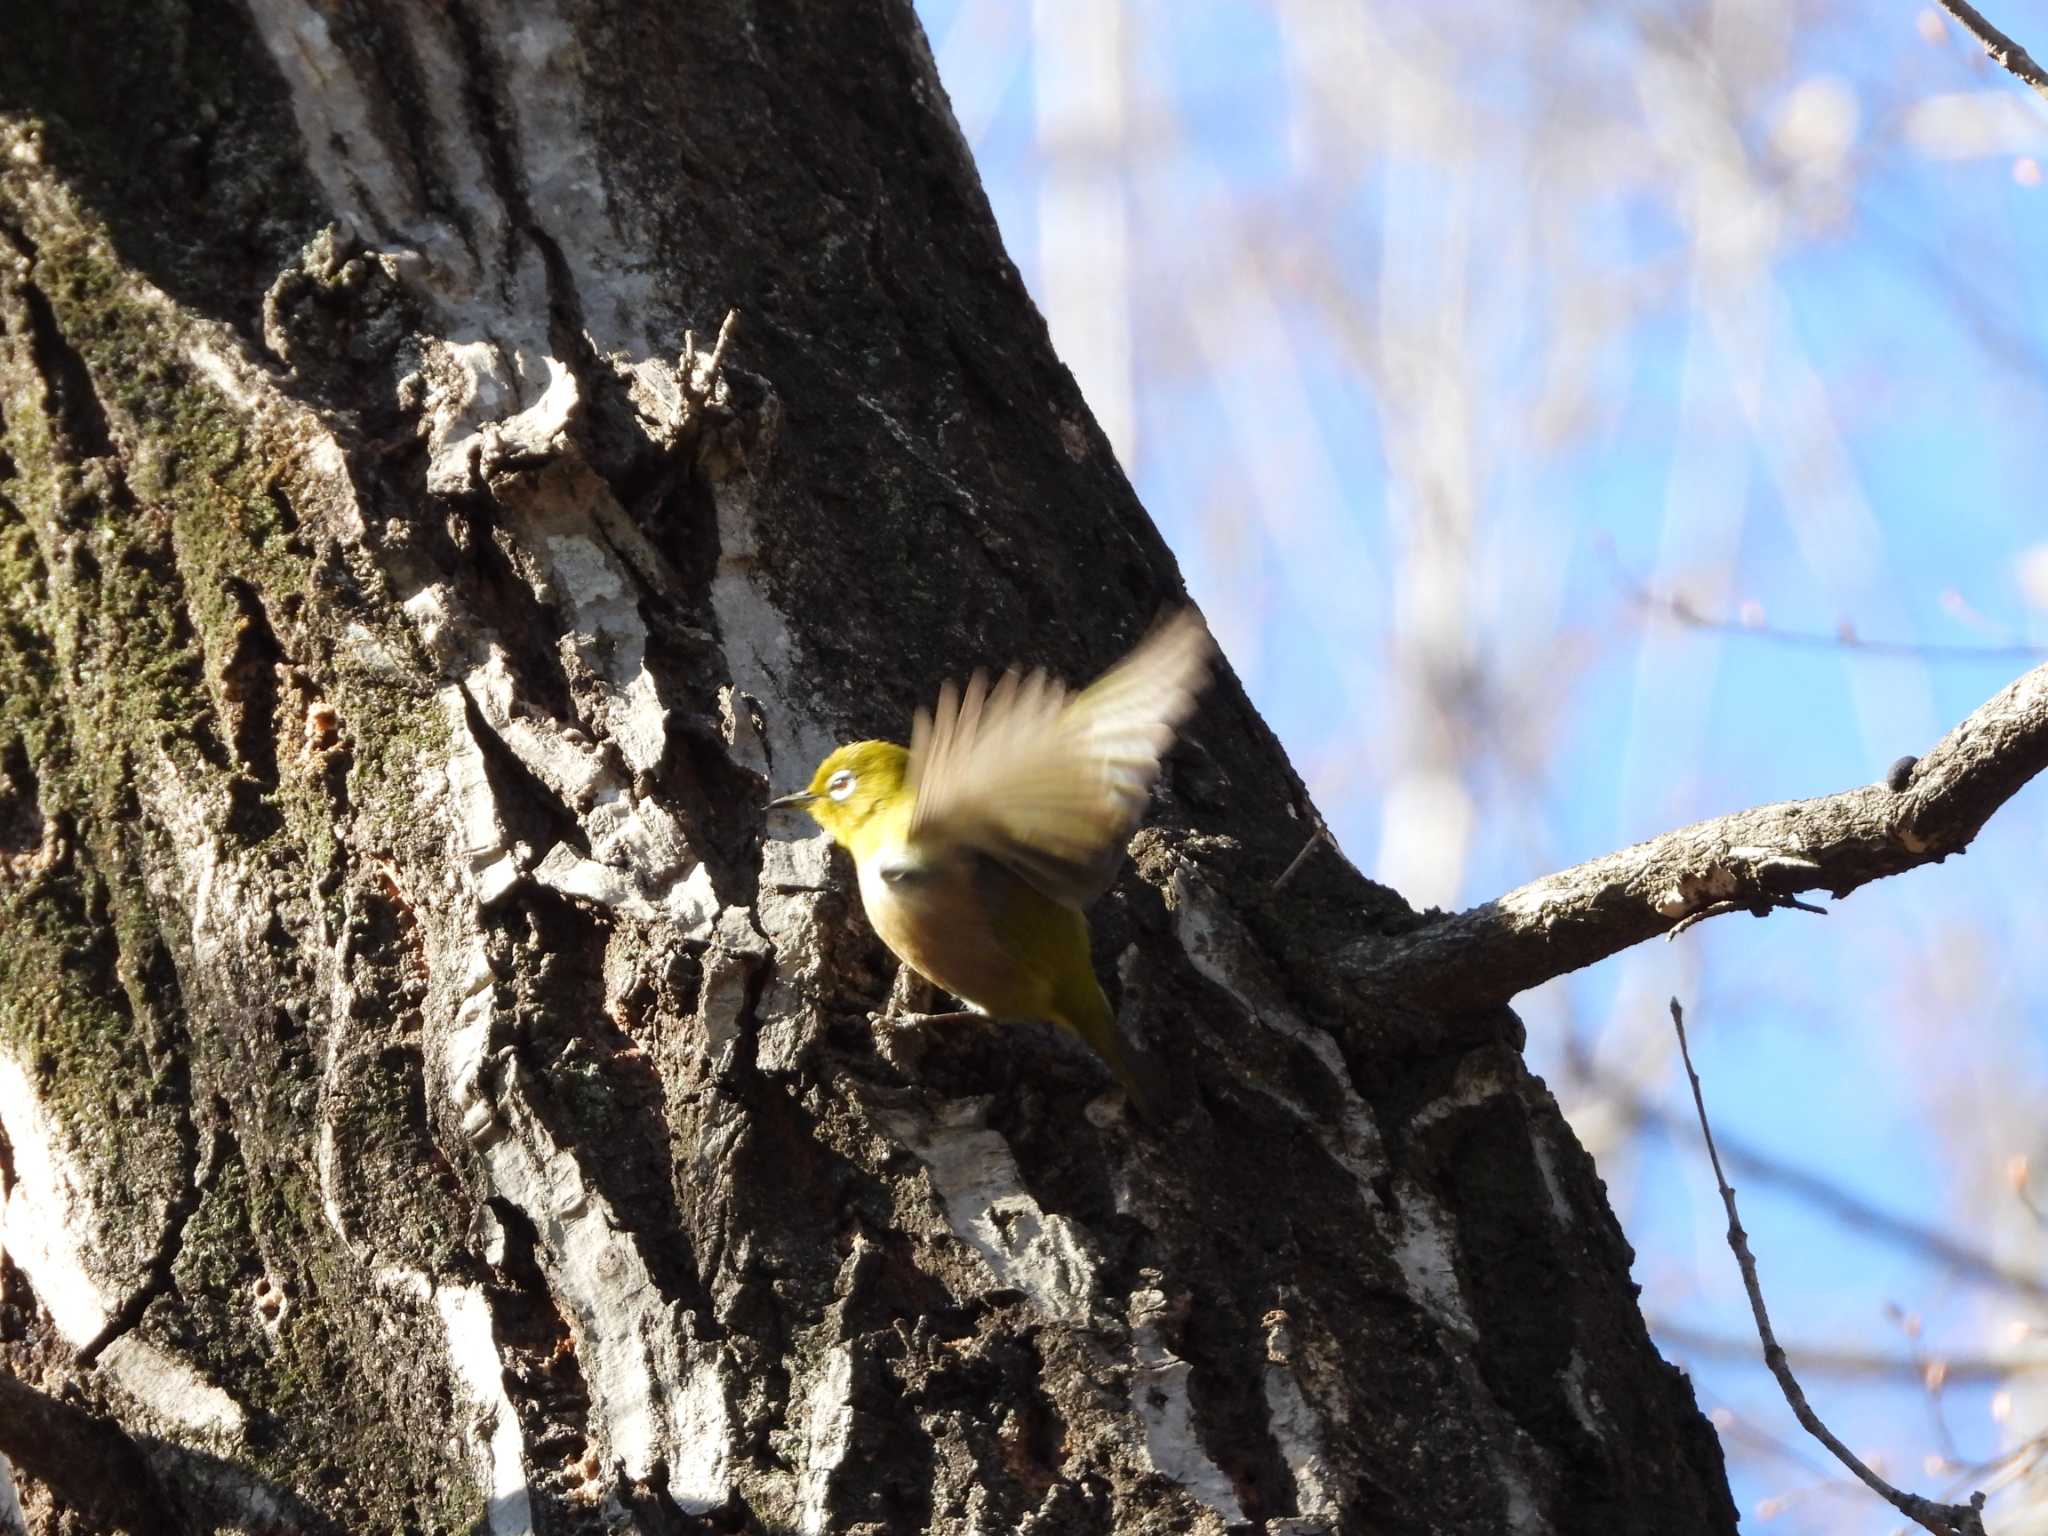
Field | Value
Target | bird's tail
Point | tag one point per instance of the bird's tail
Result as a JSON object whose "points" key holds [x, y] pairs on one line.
{"points": [[1087, 1013]]}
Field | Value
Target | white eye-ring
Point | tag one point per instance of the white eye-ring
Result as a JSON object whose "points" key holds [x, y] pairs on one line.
{"points": [[840, 785]]}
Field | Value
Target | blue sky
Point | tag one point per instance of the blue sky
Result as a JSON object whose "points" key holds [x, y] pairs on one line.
{"points": [[1431, 331]]}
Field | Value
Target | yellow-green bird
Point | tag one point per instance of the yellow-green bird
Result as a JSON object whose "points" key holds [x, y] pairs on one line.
{"points": [[979, 844]]}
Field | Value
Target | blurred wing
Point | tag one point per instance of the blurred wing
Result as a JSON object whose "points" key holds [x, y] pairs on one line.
{"points": [[1048, 784]]}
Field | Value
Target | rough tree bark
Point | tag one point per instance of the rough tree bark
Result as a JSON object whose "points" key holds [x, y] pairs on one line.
{"points": [[431, 1099]]}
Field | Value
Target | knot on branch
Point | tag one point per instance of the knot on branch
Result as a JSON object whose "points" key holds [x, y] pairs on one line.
{"points": [[337, 308], [1754, 880]]}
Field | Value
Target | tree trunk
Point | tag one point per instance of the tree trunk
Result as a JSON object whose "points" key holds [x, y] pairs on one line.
{"points": [[433, 1097]]}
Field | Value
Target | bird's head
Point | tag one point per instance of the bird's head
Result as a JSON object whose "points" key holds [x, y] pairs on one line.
{"points": [[850, 786]]}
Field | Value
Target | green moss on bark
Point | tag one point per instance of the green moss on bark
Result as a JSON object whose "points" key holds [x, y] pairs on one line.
{"points": [[164, 633]]}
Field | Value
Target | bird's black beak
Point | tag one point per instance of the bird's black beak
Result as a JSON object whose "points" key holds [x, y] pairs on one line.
{"points": [[795, 802]]}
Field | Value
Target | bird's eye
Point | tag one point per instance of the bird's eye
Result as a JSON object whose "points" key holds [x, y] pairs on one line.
{"points": [[840, 785]]}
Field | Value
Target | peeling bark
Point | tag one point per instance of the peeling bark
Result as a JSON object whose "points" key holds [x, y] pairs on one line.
{"points": [[431, 1100]]}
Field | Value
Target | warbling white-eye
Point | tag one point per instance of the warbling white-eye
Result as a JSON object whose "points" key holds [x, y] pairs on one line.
{"points": [[978, 845]]}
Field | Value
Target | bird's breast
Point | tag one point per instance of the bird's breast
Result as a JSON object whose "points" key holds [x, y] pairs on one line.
{"points": [[928, 907]]}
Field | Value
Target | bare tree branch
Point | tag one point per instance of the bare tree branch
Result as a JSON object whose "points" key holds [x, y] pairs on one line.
{"points": [[1942, 1519], [2006, 53], [1749, 861]]}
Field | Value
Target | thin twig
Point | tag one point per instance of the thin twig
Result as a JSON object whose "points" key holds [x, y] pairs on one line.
{"points": [[1941, 1519], [1934, 1378], [2006, 53], [727, 329], [2007, 1467], [2017, 1172], [2033, 1209], [1843, 638], [1756, 906], [1321, 832], [700, 389]]}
